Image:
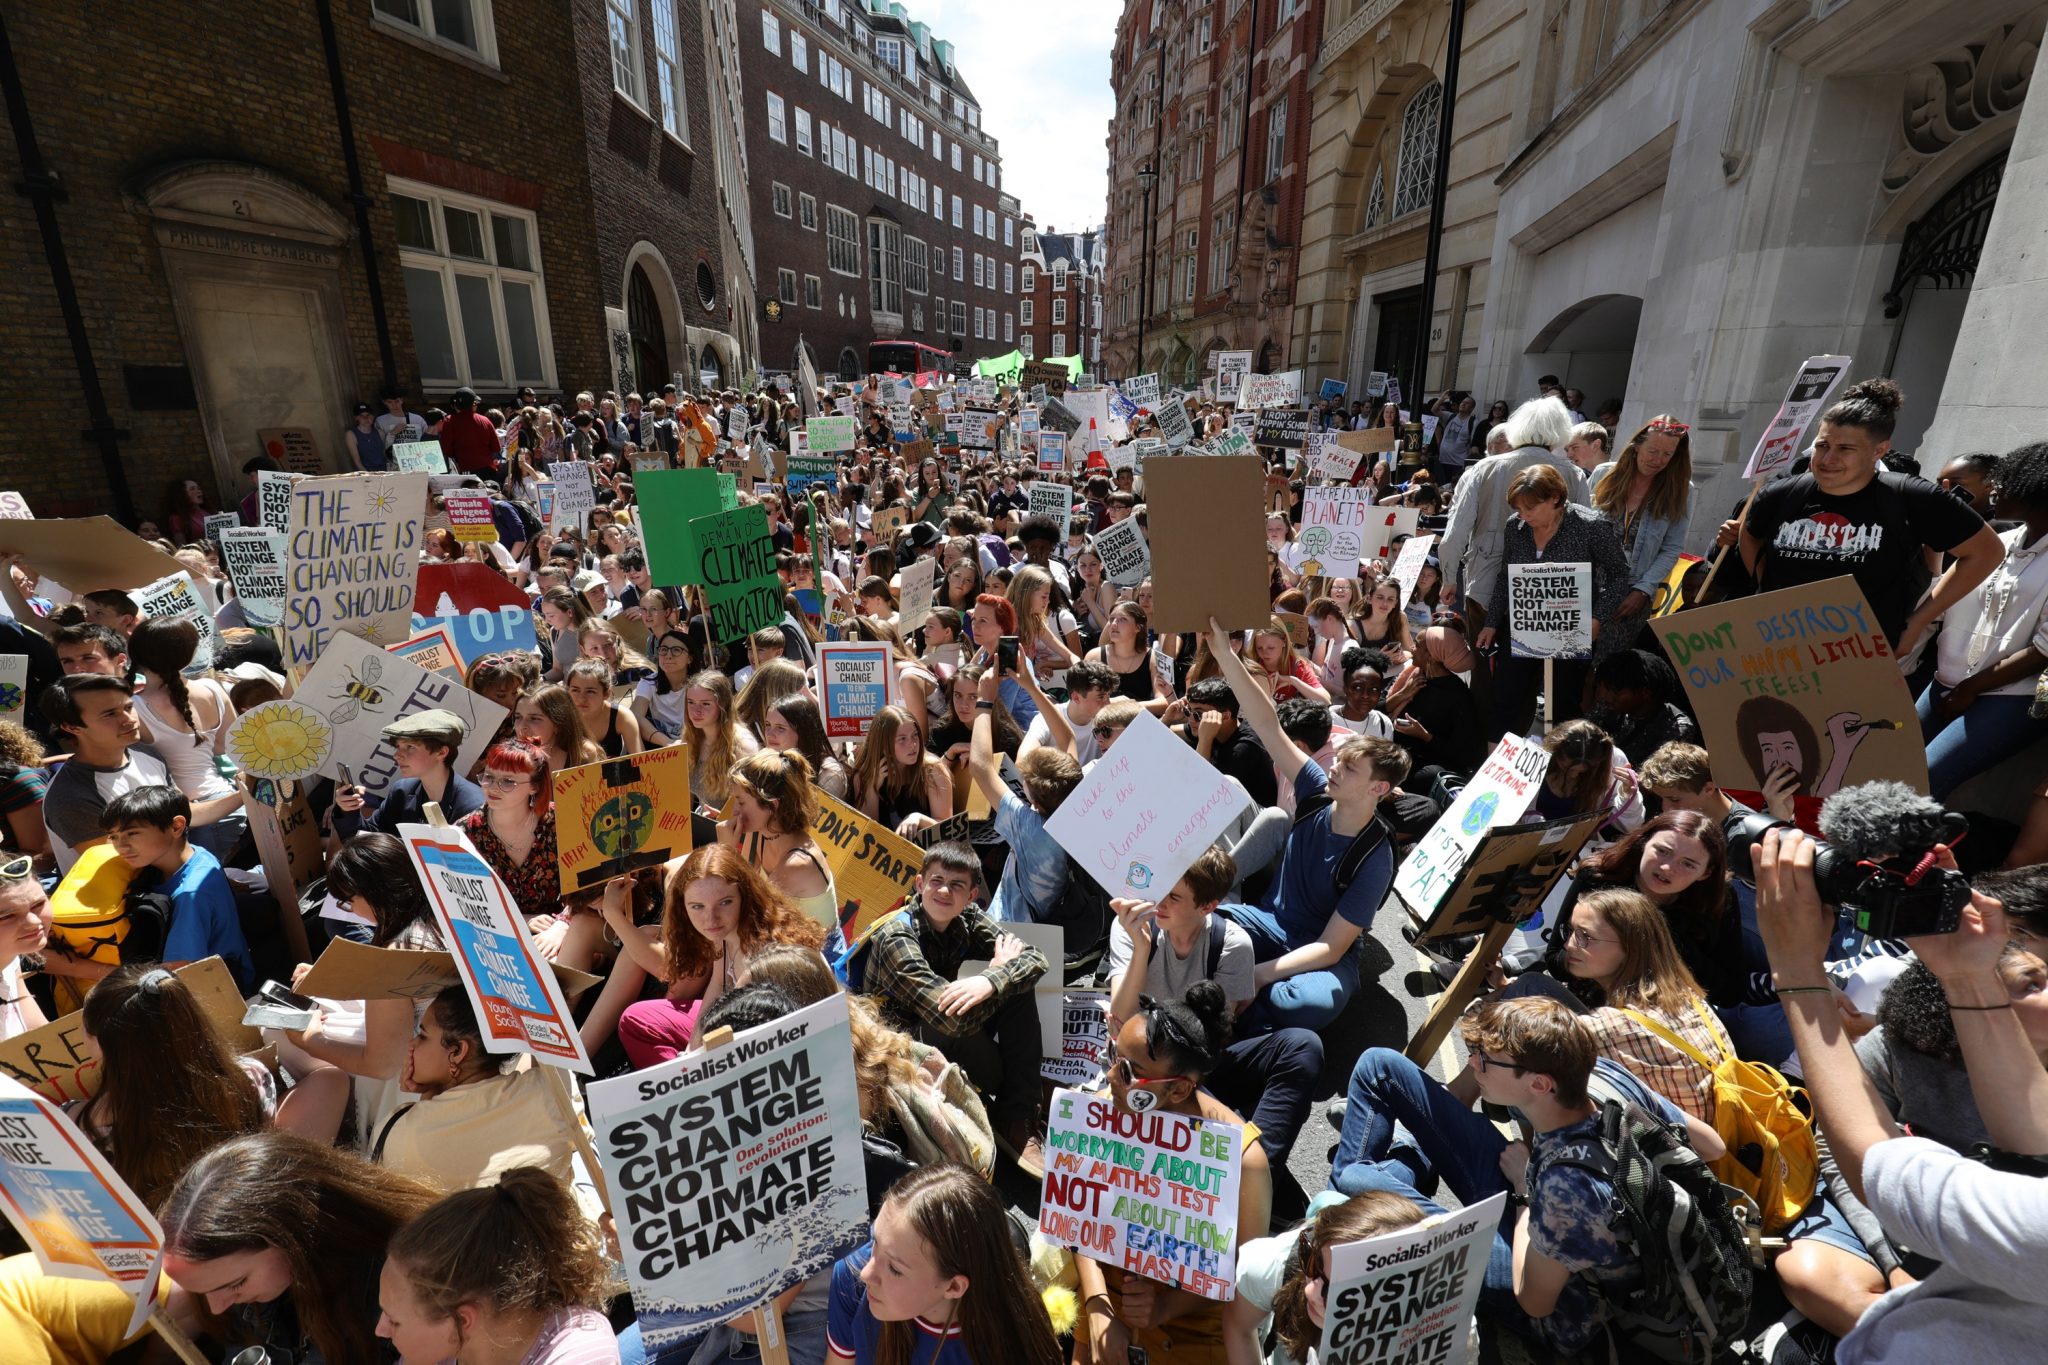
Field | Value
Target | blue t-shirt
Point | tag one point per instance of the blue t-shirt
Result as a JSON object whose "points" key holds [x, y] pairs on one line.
{"points": [[1303, 895], [203, 919], [852, 1332]]}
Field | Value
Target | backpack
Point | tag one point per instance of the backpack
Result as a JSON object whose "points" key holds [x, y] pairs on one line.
{"points": [[1363, 843], [850, 962], [1767, 1124], [1671, 1213], [1084, 915]]}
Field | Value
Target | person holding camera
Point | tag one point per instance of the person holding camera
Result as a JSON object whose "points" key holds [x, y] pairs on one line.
{"points": [[1987, 1227]]}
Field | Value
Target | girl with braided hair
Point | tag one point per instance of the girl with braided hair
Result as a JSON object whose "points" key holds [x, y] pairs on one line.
{"points": [[186, 721]]}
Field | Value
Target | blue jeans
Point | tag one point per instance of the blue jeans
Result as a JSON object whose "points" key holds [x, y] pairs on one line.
{"points": [[804, 1333], [1993, 729], [1312, 1000]]}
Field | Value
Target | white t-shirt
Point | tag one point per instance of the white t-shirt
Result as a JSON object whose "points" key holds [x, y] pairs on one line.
{"points": [[1375, 725], [1087, 748]]}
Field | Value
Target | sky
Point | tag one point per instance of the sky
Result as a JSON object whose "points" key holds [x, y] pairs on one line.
{"points": [[1041, 72]]}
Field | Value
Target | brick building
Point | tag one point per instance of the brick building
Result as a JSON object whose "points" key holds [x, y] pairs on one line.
{"points": [[489, 192], [1208, 160], [1060, 284], [877, 201]]}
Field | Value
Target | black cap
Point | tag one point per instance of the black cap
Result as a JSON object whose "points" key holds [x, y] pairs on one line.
{"points": [[362, 408], [465, 398]]}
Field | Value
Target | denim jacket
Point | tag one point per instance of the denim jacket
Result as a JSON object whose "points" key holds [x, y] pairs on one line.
{"points": [[1658, 539]]}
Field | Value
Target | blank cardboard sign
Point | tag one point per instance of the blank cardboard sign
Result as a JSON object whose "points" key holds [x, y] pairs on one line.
{"points": [[1206, 518]]}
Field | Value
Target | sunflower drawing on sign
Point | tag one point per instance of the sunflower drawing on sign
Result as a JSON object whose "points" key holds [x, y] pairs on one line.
{"points": [[280, 740]]}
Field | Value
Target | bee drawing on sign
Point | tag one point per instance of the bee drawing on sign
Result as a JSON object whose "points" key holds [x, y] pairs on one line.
{"points": [[360, 693]]}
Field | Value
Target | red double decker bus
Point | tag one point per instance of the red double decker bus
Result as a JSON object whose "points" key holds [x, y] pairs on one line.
{"points": [[912, 358]]}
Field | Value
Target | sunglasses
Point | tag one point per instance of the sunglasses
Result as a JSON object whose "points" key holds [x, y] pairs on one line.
{"points": [[15, 869], [1124, 1073], [1668, 428]]}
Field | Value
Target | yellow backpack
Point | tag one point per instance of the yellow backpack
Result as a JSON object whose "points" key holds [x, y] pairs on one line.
{"points": [[1766, 1123], [89, 916]]}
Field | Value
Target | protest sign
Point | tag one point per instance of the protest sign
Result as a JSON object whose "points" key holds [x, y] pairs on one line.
{"points": [[1231, 368], [1511, 871], [1333, 530], [1054, 415], [348, 970], [217, 522], [1670, 594], [1283, 428], [574, 496], [1408, 565], [1550, 610], [174, 597], [980, 428], [736, 565], [419, 457], [1778, 447], [1384, 525], [1332, 390], [1155, 1194], [1125, 557], [735, 1172], [85, 553], [621, 814], [79, 1218], [13, 685], [1054, 501], [873, 867], [1208, 535], [1409, 1296], [1376, 384], [1052, 452], [274, 498], [1046, 372], [469, 517], [1231, 442], [1174, 424], [519, 1005], [1074, 1037], [1268, 391], [360, 689], [14, 507], [353, 550], [293, 448], [283, 740], [1802, 677], [856, 679], [919, 586], [1143, 449], [484, 614], [1497, 795], [1142, 389], [1145, 811], [808, 471], [1372, 441], [827, 434], [432, 649], [57, 1062], [1324, 457]]}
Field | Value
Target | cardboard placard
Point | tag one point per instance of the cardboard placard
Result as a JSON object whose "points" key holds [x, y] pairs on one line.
{"points": [[287, 842], [856, 679], [1145, 812], [419, 457], [1331, 390], [361, 689], [1142, 389], [671, 502], [1283, 428], [1803, 678], [293, 448], [735, 1172], [348, 970], [1541, 853], [1371, 441], [621, 814], [1126, 558], [54, 1062], [281, 741], [1670, 596], [1176, 1224], [85, 554], [432, 649], [736, 565], [254, 557], [919, 588], [874, 868], [1409, 1296], [1550, 610], [1778, 447], [1497, 795], [1049, 373], [352, 553], [1208, 536], [1324, 456], [1334, 525]]}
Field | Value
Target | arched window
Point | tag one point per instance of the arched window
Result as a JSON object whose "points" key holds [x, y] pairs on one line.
{"points": [[849, 364], [1415, 176], [650, 336], [1376, 202], [711, 368]]}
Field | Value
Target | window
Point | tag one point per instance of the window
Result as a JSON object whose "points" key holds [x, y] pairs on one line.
{"points": [[1027, 345], [1059, 344], [1376, 202], [1030, 277], [668, 70], [814, 293], [453, 22], [473, 286], [1030, 243], [890, 50], [807, 211], [957, 216], [1059, 278], [1227, 118], [785, 285], [1415, 177], [977, 168], [1009, 327], [1187, 281], [780, 196], [1009, 278], [839, 158], [842, 241], [1009, 231], [803, 131], [1059, 312], [885, 267], [1026, 310], [977, 220], [977, 324], [1276, 138], [623, 21], [1204, 35], [771, 31], [978, 281], [956, 156], [778, 131], [959, 319], [938, 145], [916, 270], [1222, 248], [939, 314], [799, 52]]}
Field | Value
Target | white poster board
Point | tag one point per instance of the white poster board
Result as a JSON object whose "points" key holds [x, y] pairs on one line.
{"points": [[1550, 610], [175, 596], [1811, 388], [575, 495], [360, 689], [1054, 501], [918, 587], [1409, 1296], [1408, 565], [1498, 794], [1335, 522], [353, 556]]}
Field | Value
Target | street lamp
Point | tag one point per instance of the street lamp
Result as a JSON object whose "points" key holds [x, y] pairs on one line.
{"points": [[1147, 179]]}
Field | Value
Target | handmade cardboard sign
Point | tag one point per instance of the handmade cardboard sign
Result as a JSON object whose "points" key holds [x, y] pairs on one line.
{"points": [[432, 649], [1408, 564], [1670, 595], [1409, 1295], [1497, 795], [352, 553], [671, 501], [622, 814], [293, 447], [1269, 391], [484, 614], [361, 689], [254, 557], [1053, 376], [1372, 441], [1511, 870], [1126, 558], [1155, 1194], [79, 1218], [735, 1172], [919, 586], [1778, 447], [808, 471], [419, 457], [856, 679], [828, 434], [348, 970], [1550, 610], [873, 867], [56, 1062], [736, 565], [175, 597], [1208, 543], [1324, 456], [1384, 526], [1802, 678], [469, 517], [85, 553], [284, 740], [1145, 811]]}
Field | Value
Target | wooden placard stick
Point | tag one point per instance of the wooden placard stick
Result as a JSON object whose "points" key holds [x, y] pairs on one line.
{"points": [[174, 1337], [1705, 594]]}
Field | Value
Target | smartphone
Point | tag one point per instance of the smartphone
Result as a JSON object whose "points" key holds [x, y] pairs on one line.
{"points": [[284, 995], [348, 779], [1006, 655]]}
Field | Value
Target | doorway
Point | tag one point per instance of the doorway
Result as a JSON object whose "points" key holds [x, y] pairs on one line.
{"points": [[1395, 334]]}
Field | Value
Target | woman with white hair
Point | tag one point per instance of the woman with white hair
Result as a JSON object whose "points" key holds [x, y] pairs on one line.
{"points": [[1537, 432]]}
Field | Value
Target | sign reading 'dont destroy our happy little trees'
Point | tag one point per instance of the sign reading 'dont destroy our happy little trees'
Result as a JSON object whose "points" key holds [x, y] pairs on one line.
{"points": [[1803, 678], [352, 551]]}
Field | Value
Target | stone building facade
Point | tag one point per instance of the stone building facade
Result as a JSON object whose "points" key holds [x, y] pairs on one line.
{"points": [[1060, 298]]}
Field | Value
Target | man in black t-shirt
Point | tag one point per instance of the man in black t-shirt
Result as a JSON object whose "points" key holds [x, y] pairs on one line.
{"points": [[1845, 515]]}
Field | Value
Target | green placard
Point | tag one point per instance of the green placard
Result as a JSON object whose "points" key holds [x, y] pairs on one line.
{"points": [[670, 501], [728, 492], [736, 565]]}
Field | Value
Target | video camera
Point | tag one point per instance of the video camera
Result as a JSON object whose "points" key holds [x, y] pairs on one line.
{"points": [[1876, 859]]}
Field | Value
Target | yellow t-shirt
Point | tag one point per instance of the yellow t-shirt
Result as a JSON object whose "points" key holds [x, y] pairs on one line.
{"points": [[52, 1320]]}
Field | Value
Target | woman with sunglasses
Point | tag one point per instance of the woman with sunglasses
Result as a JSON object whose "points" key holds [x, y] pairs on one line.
{"points": [[658, 701], [1155, 1064], [24, 933], [1646, 492]]}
